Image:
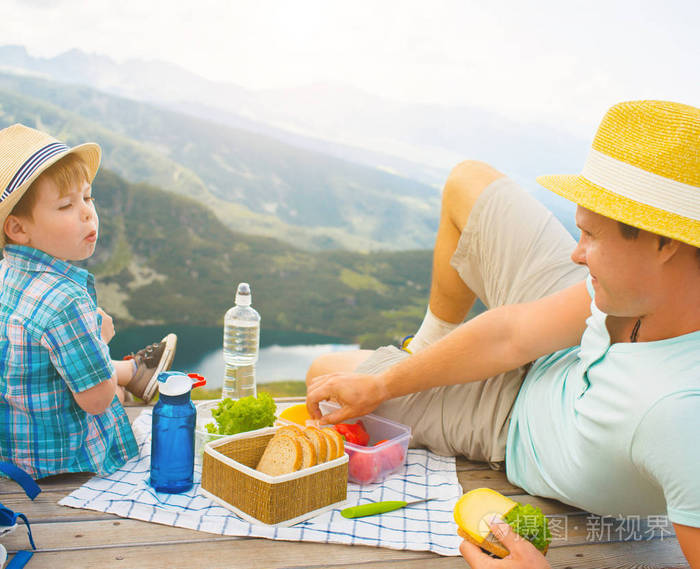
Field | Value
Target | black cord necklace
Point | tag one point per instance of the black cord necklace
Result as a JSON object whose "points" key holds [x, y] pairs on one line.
{"points": [[635, 330]]}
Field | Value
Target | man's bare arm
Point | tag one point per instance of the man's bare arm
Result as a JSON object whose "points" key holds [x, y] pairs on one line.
{"points": [[496, 341]]}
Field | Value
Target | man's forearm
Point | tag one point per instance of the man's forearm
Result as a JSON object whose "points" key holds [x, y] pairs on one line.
{"points": [[498, 340]]}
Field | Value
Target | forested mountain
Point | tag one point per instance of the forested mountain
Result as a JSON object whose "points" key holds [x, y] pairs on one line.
{"points": [[163, 258], [254, 184]]}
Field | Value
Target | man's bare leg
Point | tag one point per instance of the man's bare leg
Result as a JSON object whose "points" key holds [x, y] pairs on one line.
{"points": [[450, 298], [338, 361]]}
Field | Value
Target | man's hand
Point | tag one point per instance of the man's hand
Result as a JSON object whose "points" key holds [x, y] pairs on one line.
{"points": [[357, 394], [107, 330], [523, 555]]}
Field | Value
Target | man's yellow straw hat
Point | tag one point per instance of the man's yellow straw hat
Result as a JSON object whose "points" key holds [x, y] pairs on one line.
{"points": [[643, 169], [24, 154]]}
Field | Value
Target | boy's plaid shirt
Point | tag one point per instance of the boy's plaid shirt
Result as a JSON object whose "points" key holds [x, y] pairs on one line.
{"points": [[50, 345]]}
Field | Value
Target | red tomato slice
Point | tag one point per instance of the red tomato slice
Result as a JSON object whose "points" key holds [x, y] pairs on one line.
{"points": [[391, 456], [363, 467]]}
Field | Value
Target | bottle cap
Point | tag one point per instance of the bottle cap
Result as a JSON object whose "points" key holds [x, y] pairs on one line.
{"points": [[173, 383], [243, 295]]}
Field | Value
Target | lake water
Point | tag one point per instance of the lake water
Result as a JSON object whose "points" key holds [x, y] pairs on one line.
{"points": [[283, 355]]}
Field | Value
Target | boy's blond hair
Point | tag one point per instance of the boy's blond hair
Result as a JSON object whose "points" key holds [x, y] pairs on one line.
{"points": [[68, 171]]}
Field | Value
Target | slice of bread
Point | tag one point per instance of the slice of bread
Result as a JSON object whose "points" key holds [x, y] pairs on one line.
{"points": [[490, 543], [282, 455], [307, 448], [319, 441], [332, 443], [289, 429], [339, 441], [308, 451]]}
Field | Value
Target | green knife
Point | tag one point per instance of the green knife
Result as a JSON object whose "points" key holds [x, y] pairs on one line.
{"points": [[374, 508]]}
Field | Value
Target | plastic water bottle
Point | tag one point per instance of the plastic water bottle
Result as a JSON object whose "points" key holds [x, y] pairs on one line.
{"points": [[239, 381], [172, 434], [241, 345]]}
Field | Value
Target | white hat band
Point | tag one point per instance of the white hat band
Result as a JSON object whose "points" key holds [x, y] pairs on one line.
{"points": [[642, 186]]}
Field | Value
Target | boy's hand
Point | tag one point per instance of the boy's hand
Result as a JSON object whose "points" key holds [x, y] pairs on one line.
{"points": [[107, 330], [523, 555]]}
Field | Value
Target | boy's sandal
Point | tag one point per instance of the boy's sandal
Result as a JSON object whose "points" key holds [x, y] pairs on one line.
{"points": [[150, 361]]}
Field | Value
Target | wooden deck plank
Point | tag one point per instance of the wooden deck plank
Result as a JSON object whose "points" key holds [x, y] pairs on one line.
{"points": [[226, 554], [61, 483], [45, 508], [662, 554], [496, 480], [91, 534], [86, 532], [253, 554], [648, 555], [463, 465]]}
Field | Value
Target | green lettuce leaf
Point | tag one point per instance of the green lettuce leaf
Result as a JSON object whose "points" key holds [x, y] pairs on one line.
{"points": [[529, 522], [246, 414]]}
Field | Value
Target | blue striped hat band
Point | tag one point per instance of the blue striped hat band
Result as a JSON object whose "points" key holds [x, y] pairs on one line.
{"points": [[31, 165]]}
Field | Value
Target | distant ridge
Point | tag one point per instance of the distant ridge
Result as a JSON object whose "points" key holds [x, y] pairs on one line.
{"points": [[421, 142], [173, 87], [254, 183], [425, 140]]}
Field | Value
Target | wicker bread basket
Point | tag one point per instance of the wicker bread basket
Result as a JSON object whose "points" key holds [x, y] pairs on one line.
{"points": [[229, 478]]}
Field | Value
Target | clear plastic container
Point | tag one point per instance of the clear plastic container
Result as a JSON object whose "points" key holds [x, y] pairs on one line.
{"points": [[375, 462], [201, 435]]}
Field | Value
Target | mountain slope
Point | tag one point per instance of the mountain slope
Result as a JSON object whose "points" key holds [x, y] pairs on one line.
{"points": [[163, 258], [421, 141], [254, 183]]}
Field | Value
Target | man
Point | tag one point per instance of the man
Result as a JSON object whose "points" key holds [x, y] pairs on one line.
{"points": [[606, 416]]}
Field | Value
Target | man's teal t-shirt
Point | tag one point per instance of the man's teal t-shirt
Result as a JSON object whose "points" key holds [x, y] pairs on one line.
{"points": [[612, 429]]}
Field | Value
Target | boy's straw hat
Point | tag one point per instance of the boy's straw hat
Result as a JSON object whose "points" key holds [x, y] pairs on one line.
{"points": [[643, 169], [24, 154]]}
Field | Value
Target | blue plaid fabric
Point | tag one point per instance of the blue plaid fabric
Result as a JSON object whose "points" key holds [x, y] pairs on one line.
{"points": [[429, 526], [50, 346]]}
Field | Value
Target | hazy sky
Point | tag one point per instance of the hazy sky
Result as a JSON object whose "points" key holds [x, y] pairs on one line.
{"points": [[564, 61]]}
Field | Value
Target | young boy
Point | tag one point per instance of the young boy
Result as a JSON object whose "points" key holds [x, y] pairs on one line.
{"points": [[60, 391]]}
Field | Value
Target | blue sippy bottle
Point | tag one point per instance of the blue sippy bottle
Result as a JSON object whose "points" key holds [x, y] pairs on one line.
{"points": [[172, 434]]}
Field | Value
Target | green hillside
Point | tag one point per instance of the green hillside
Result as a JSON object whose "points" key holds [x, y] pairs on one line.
{"points": [[255, 184], [164, 258]]}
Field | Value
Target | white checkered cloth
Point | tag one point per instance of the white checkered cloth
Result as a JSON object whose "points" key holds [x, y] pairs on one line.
{"points": [[428, 526]]}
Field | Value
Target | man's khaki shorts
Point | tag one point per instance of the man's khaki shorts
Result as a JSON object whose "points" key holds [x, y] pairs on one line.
{"points": [[512, 250]]}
